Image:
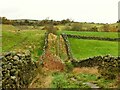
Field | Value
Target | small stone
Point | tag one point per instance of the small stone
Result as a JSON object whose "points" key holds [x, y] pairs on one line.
{"points": [[13, 77], [9, 58], [1, 57], [13, 53], [16, 58], [8, 66], [7, 74], [7, 54], [12, 70], [27, 53], [16, 62], [19, 62]]}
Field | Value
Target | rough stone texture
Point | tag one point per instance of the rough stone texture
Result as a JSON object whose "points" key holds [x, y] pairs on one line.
{"points": [[108, 66], [18, 69], [67, 46], [93, 38], [44, 49], [0, 73], [90, 62]]}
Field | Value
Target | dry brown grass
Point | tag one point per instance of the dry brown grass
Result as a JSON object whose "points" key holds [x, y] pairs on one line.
{"points": [[51, 62], [92, 70], [41, 81]]}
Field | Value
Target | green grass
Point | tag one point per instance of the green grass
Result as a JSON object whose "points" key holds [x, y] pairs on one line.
{"points": [[63, 80], [69, 80], [88, 48], [101, 82], [32, 40], [97, 34]]}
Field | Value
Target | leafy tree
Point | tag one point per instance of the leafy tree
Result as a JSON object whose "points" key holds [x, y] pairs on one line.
{"points": [[26, 22], [4, 20], [65, 21]]}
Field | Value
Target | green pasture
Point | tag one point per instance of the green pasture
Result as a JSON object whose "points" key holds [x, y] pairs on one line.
{"points": [[13, 40], [70, 80], [82, 49], [95, 34]]}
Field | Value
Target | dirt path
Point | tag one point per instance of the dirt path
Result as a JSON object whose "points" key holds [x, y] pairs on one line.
{"points": [[51, 63], [42, 80]]}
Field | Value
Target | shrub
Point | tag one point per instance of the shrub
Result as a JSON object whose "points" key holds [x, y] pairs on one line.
{"points": [[51, 29], [69, 66], [113, 29], [67, 28], [106, 28], [73, 27], [76, 27], [95, 29]]}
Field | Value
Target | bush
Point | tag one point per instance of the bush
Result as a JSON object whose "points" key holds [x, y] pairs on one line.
{"points": [[76, 27], [51, 29], [95, 29], [106, 28], [68, 28], [69, 66]]}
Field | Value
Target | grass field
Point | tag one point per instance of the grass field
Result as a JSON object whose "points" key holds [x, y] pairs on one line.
{"points": [[13, 40], [33, 39], [97, 34], [88, 48], [70, 80]]}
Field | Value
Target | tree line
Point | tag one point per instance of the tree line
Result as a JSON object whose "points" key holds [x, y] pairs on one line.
{"points": [[69, 24], [4, 20]]}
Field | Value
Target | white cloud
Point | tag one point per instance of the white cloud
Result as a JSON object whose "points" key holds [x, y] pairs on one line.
{"points": [[78, 10]]}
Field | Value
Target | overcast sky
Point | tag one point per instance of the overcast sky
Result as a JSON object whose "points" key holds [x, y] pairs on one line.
{"points": [[102, 11]]}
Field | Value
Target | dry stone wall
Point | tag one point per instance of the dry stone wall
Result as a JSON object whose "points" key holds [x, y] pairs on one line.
{"points": [[44, 48], [67, 46], [18, 69], [108, 66], [90, 62], [92, 38]]}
